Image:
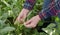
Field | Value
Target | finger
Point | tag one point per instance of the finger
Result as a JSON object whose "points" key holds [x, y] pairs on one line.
{"points": [[31, 25], [28, 22], [21, 18], [27, 26]]}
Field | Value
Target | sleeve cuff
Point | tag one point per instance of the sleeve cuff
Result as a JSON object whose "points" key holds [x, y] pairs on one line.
{"points": [[29, 4], [44, 15]]}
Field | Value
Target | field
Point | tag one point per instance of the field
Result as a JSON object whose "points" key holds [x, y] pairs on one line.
{"points": [[9, 10]]}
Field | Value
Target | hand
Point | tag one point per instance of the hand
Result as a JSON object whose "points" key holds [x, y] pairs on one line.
{"points": [[22, 15], [32, 22]]}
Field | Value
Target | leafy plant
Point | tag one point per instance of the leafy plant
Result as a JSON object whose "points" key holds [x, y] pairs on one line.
{"points": [[9, 10]]}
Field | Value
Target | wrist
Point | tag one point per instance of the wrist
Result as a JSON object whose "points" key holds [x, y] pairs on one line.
{"points": [[25, 10]]}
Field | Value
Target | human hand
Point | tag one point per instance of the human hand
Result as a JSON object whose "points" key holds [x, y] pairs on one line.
{"points": [[32, 22], [22, 15]]}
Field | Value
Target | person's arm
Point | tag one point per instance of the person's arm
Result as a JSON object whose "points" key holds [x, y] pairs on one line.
{"points": [[52, 10], [28, 6]]}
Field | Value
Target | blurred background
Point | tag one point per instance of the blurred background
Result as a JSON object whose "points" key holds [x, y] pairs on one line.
{"points": [[9, 10]]}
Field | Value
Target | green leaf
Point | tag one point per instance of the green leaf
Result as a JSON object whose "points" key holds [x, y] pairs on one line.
{"points": [[7, 29]]}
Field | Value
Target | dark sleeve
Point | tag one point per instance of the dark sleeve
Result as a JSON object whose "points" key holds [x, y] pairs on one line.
{"points": [[50, 8], [29, 4]]}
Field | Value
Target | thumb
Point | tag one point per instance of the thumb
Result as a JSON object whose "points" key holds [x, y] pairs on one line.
{"points": [[28, 22]]}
